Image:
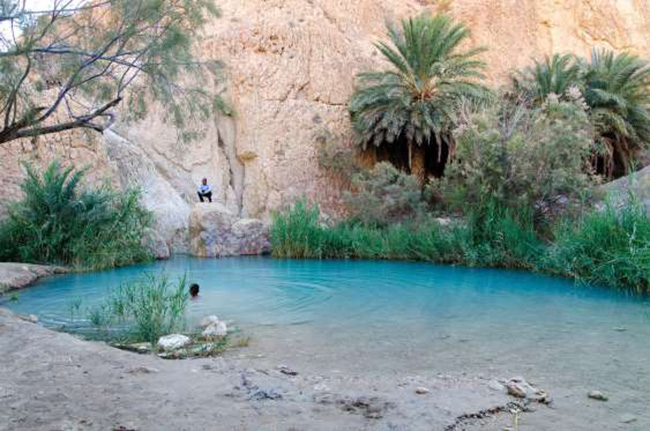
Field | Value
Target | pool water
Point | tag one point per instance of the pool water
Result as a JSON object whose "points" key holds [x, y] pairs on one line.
{"points": [[387, 317]]}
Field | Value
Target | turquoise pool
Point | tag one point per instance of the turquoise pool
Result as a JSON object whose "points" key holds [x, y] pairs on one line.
{"points": [[395, 317]]}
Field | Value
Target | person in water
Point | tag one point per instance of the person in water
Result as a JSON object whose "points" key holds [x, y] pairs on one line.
{"points": [[194, 290], [205, 190]]}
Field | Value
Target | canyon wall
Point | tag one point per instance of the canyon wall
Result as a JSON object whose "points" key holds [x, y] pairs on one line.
{"points": [[289, 70]]}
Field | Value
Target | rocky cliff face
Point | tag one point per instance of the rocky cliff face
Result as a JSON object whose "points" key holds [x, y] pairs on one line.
{"points": [[290, 67]]}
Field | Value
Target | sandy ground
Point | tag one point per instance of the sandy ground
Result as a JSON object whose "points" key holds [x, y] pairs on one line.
{"points": [[51, 381]]}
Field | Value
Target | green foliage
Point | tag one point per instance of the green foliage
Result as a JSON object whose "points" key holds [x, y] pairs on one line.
{"points": [[555, 75], [487, 241], [430, 78], [520, 157], [610, 247], [56, 222], [615, 88], [384, 195], [500, 236], [73, 63], [142, 310]]}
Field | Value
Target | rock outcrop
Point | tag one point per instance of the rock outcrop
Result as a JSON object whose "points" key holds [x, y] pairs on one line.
{"points": [[639, 184], [289, 71], [19, 275], [216, 231]]}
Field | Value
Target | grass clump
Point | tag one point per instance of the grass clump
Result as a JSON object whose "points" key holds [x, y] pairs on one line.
{"points": [[611, 247], [607, 247], [58, 222], [142, 310]]}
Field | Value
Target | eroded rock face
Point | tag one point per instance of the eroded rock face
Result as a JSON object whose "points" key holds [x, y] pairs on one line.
{"points": [[290, 69], [639, 184], [216, 231]]}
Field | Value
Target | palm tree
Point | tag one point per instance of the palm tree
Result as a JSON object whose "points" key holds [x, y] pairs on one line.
{"points": [[416, 102], [555, 75], [617, 90]]}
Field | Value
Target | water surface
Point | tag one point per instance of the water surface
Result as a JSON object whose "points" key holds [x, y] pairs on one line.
{"points": [[384, 317]]}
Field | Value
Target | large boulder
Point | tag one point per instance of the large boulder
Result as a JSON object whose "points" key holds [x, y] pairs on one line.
{"points": [[216, 231], [173, 342], [19, 275], [618, 191]]}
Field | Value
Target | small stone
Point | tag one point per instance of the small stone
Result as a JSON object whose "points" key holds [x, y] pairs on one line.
{"points": [[144, 370], [215, 330], [287, 371], [173, 342], [209, 320], [597, 395], [422, 391], [515, 389], [628, 419], [619, 329], [32, 318]]}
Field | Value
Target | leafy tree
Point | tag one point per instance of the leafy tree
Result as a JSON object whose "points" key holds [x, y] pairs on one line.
{"points": [[67, 67], [616, 89], [416, 102], [517, 156]]}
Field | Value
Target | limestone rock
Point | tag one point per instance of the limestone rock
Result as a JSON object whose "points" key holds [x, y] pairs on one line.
{"points": [[215, 330], [19, 275], [618, 191], [31, 318], [597, 395], [518, 387], [208, 320], [173, 342], [291, 66], [215, 231]]}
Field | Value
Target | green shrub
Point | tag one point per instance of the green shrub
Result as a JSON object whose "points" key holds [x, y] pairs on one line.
{"points": [[502, 237], [611, 246], [384, 196], [520, 157], [56, 222], [142, 310]]}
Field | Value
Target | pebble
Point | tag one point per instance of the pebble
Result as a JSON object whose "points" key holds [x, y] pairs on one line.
{"points": [[597, 395], [144, 370], [628, 419], [620, 329], [421, 391], [32, 318]]}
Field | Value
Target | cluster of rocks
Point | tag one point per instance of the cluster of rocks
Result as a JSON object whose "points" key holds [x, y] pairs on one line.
{"points": [[211, 341], [518, 387], [215, 231]]}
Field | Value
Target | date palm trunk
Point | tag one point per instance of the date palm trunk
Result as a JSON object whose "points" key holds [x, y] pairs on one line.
{"points": [[417, 162]]}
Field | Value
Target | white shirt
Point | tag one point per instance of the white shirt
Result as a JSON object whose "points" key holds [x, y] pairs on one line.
{"points": [[205, 188]]}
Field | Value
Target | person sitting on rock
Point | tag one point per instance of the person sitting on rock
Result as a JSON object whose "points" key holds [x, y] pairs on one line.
{"points": [[205, 190], [194, 290]]}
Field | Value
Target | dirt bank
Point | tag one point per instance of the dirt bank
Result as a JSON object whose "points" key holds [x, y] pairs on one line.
{"points": [[53, 381]]}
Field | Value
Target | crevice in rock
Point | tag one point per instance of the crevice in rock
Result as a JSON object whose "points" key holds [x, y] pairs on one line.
{"points": [[227, 142]]}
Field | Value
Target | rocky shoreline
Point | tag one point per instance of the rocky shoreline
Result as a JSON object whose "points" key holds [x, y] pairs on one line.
{"points": [[81, 385], [15, 276], [54, 381]]}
